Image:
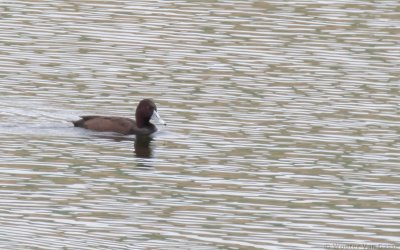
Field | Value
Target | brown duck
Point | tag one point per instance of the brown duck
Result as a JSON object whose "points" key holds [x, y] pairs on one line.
{"points": [[146, 111]]}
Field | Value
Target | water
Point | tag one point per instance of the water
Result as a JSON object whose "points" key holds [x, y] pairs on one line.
{"points": [[282, 131]]}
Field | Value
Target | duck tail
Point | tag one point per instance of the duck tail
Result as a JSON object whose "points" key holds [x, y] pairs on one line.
{"points": [[78, 123]]}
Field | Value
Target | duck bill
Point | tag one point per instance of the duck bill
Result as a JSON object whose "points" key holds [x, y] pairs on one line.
{"points": [[156, 119]]}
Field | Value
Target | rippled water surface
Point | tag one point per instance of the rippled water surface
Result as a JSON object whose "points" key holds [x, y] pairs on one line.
{"points": [[283, 124]]}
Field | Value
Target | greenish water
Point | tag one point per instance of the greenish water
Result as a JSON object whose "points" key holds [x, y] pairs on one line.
{"points": [[283, 124]]}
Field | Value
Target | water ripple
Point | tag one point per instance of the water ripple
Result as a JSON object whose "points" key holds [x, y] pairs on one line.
{"points": [[283, 124]]}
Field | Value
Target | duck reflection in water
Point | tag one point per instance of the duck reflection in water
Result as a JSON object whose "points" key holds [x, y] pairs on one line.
{"points": [[142, 146]]}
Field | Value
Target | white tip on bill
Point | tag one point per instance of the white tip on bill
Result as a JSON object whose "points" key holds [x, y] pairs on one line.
{"points": [[157, 119]]}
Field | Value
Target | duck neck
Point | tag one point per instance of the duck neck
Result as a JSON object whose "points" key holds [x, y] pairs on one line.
{"points": [[142, 123]]}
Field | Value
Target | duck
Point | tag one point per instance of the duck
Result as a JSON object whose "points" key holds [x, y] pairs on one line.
{"points": [[146, 116]]}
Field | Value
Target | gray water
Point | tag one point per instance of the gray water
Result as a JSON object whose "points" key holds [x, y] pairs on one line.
{"points": [[283, 124]]}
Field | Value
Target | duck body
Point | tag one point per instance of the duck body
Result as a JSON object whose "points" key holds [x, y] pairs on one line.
{"points": [[115, 124], [145, 111]]}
